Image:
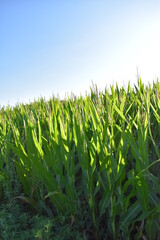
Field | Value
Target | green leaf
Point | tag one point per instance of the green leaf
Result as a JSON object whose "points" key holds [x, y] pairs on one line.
{"points": [[130, 215]]}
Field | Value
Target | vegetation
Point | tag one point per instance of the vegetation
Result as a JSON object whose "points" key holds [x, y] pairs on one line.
{"points": [[83, 168]]}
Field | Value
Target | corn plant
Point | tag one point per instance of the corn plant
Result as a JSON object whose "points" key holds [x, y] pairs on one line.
{"points": [[98, 154]]}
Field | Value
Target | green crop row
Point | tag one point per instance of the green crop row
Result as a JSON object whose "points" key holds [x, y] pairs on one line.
{"points": [[96, 156]]}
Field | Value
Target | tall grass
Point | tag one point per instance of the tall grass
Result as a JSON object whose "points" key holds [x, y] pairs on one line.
{"points": [[96, 156]]}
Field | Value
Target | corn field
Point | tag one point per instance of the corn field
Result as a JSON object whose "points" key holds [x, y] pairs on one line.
{"points": [[95, 157]]}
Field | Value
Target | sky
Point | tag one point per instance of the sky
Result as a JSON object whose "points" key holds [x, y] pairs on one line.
{"points": [[60, 47]]}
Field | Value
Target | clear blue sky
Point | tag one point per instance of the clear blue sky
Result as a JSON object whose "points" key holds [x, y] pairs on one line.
{"points": [[60, 46]]}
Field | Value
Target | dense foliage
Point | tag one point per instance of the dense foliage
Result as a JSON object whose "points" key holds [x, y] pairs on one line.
{"points": [[93, 162]]}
